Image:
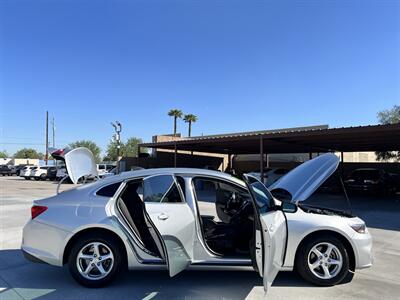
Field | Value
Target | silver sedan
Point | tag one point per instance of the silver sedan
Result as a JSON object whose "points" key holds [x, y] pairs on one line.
{"points": [[175, 219]]}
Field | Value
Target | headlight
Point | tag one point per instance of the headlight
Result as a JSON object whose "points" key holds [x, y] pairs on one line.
{"points": [[360, 228]]}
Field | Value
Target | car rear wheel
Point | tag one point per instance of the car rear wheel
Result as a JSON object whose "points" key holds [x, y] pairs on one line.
{"points": [[43, 177], [95, 261], [323, 261]]}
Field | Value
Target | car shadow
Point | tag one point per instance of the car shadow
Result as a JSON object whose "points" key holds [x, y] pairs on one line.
{"points": [[23, 279]]}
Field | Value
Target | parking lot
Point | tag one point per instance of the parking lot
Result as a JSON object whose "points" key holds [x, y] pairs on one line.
{"points": [[20, 279]]}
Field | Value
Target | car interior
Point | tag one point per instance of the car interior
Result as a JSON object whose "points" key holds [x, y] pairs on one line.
{"points": [[226, 216], [132, 208]]}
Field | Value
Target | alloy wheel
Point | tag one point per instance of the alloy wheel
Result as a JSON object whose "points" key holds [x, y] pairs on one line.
{"points": [[325, 260], [95, 261]]}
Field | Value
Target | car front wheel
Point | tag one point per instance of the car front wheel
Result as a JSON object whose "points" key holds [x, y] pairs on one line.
{"points": [[94, 262], [323, 261]]}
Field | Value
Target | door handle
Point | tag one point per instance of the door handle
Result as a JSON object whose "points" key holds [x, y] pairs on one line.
{"points": [[163, 217]]}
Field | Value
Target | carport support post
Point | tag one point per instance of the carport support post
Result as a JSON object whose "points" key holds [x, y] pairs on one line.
{"points": [[229, 163], [175, 152], [341, 165], [138, 155], [261, 159]]}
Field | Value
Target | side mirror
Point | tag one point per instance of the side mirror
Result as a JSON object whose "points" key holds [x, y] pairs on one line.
{"points": [[288, 207]]}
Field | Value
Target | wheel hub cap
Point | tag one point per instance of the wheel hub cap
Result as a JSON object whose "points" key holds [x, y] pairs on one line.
{"points": [[95, 261], [325, 260]]}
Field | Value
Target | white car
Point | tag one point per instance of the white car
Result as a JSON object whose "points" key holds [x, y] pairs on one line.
{"points": [[40, 173], [104, 168], [178, 218], [26, 172]]}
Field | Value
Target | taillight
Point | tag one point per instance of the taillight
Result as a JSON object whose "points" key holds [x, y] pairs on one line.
{"points": [[37, 210]]}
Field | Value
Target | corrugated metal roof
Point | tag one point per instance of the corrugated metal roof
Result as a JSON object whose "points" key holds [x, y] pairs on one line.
{"points": [[289, 139]]}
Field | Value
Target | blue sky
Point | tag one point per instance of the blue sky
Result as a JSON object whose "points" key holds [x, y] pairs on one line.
{"points": [[238, 65]]}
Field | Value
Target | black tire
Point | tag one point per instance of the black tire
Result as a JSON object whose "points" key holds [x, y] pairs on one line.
{"points": [[116, 249], [304, 270], [43, 177], [27, 178]]}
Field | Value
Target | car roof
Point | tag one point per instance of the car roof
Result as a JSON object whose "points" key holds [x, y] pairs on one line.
{"points": [[160, 171]]}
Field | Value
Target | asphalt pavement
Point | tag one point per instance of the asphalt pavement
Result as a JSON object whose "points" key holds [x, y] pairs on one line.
{"points": [[20, 279]]}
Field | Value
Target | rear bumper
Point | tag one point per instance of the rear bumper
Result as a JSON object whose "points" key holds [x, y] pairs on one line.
{"points": [[44, 243], [32, 258]]}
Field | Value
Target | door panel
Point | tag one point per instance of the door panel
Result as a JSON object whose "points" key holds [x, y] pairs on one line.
{"points": [[274, 229], [270, 245], [174, 221], [176, 225]]}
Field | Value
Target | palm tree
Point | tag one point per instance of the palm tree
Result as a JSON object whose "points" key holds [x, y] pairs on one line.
{"points": [[190, 119], [176, 113]]}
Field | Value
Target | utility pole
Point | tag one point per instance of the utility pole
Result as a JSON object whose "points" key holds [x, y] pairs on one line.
{"points": [[54, 132], [117, 136], [46, 158]]}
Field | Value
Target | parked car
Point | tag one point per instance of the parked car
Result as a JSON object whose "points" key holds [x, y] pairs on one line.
{"points": [[61, 173], [18, 169], [40, 173], [104, 168], [32, 172], [109, 173], [271, 175], [51, 173], [26, 172], [371, 180], [5, 170], [181, 218]]}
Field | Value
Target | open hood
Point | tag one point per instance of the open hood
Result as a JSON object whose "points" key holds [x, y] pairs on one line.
{"points": [[80, 162], [302, 181]]}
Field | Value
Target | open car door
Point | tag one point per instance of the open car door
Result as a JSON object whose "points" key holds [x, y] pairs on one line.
{"points": [[172, 218], [270, 232]]}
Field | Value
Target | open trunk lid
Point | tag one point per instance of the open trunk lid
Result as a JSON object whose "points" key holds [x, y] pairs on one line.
{"points": [[80, 162]]}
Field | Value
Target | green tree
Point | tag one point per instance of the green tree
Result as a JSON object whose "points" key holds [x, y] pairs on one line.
{"points": [[3, 154], [131, 147], [177, 114], [92, 146], [389, 116], [190, 119], [111, 152], [28, 153], [128, 149]]}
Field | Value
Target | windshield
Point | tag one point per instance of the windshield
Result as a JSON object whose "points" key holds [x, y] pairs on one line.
{"points": [[261, 194]]}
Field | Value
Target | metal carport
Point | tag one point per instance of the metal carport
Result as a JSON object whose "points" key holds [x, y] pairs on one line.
{"points": [[293, 140]]}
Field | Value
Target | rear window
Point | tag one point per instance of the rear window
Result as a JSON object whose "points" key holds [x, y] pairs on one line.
{"points": [[108, 190]]}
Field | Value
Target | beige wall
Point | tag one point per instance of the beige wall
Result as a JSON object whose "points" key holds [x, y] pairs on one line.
{"points": [[169, 138]]}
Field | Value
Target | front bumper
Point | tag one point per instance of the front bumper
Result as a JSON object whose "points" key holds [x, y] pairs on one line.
{"points": [[44, 242], [363, 250]]}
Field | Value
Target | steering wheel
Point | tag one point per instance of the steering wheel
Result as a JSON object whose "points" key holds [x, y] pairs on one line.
{"points": [[237, 216]]}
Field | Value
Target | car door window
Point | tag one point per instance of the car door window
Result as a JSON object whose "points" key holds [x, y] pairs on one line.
{"points": [[161, 189], [263, 197]]}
